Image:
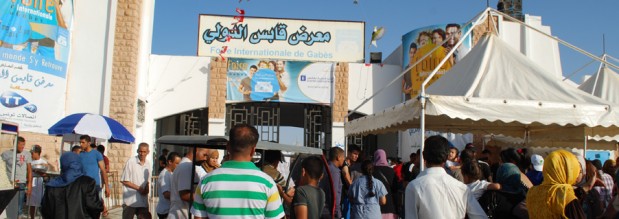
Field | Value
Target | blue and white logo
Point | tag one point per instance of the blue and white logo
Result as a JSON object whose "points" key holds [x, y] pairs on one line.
{"points": [[303, 78], [11, 99], [31, 108]]}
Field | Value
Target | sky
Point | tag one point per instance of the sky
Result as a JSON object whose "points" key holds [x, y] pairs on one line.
{"points": [[581, 23]]}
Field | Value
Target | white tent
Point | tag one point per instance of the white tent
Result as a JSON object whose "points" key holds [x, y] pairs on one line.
{"points": [[604, 84], [496, 89]]}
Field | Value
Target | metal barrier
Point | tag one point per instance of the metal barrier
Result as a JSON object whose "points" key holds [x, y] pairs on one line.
{"points": [[115, 199], [153, 196]]}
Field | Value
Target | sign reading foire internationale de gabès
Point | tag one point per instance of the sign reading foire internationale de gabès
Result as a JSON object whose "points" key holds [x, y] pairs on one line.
{"points": [[259, 38]]}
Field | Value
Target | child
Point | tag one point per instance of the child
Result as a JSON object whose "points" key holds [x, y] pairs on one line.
{"points": [[309, 199], [471, 174], [39, 167]]}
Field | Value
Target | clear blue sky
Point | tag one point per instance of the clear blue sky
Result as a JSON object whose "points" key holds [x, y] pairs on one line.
{"points": [[578, 22]]}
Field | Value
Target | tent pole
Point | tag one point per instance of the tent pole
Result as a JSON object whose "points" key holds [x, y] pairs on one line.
{"points": [[585, 150], [422, 95], [597, 76], [422, 100]]}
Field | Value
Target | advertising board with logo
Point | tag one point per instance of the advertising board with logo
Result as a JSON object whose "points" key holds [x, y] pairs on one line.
{"points": [[279, 81], [419, 42], [34, 51]]}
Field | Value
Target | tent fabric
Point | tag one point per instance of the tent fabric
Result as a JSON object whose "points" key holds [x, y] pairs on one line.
{"points": [[506, 141], [606, 85], [496, 89]]}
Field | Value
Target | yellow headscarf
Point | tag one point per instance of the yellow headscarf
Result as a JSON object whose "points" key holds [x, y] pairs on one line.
{"points": [[548, 200]]}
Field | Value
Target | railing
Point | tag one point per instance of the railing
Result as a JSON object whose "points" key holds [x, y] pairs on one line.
{"points": [[153, 196], [115, 199]]}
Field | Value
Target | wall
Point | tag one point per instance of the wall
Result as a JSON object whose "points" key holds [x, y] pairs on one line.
{"points": [[172, 84], [540, 49], [90, 65], [363, 81]]}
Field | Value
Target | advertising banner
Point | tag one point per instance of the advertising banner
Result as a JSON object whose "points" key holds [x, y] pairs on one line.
{"points": [[419, 42], [278, 80], [268, 38], [34, 50]]}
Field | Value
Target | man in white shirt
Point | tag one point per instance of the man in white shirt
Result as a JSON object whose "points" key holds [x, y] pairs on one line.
{"points": [[181, 186], [135, 178], [434, 193], [164, 181]]}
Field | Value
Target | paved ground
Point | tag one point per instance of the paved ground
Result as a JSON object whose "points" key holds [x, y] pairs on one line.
{"points": [[115, 213]]}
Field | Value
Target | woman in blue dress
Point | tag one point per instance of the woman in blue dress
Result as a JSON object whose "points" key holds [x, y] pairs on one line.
{"points": [[366, 194]]}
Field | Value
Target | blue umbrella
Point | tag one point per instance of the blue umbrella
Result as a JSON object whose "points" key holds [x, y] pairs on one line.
{"points": [[97, 126]]}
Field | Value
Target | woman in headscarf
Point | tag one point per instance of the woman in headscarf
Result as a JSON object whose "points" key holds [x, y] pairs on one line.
{"points": [[211, 163], [514, 184], [555, 197], [386, 175], [72, 194]]}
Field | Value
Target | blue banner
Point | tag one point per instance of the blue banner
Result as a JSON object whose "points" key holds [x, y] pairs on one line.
{"points": [[34, 51], [278, 80]]}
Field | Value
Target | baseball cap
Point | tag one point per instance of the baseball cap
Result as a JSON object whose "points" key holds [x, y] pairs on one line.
{"points": [[538, 162]]}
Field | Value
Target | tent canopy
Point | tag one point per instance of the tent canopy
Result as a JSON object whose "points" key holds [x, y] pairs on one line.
{"points": [[495, 89], [604, 84]]}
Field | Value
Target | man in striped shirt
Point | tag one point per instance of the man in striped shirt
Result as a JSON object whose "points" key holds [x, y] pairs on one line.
{"points": [[238, 189]]}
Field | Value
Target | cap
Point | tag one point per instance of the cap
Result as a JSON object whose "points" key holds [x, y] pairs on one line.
{"points": [[538, 162]]}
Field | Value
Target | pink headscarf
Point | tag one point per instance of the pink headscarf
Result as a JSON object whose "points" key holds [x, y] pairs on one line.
{"points": [[380, 158]]}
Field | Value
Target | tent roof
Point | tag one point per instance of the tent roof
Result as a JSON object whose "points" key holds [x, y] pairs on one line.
{"points": [[606, 85], [496, 89]]}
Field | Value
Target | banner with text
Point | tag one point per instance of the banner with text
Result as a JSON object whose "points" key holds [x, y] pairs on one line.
{"points": [[278, 80], [269, 38], [34, 50], [421, 41]]}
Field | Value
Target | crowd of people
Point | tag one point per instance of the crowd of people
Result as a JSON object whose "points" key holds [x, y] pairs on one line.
{"points": [[512, 183]]}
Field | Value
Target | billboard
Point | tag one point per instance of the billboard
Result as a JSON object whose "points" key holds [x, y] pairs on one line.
{"points": [[288, 39], [34, 50], [279, 81], [421, 41]]}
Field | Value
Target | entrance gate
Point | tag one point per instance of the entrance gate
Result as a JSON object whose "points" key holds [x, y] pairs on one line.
{"points": [[267, 118]]}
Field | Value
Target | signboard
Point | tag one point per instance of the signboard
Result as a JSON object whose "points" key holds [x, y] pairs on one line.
{"points": [[287, 39], [280, 81], [34, 50], [419, 42]]}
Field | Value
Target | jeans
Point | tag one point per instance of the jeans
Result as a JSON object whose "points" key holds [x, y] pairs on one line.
{"points": [[22, 197]]}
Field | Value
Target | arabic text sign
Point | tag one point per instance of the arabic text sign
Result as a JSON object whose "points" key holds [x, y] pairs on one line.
{"points": [[34, 51], [278, 80], [286, 39]]}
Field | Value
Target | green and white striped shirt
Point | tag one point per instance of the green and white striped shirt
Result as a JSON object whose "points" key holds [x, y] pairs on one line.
{"points": [[237, 190]]}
